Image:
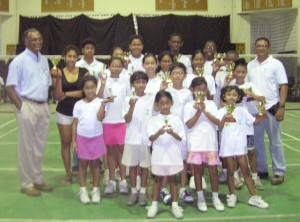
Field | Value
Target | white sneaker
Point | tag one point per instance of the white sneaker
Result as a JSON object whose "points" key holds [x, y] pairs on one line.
{"points": [[202, 206], [258, 185], [84, 197], [192, 183], [231, 200], [204, 185], [95, 196], [218, 204], [257, 201], [138, 182], [186, 196], [106, 177], [123, 188], [110, 187], [177, 212], [165, 196], [152, 211], [238, 184], [223, 176]]}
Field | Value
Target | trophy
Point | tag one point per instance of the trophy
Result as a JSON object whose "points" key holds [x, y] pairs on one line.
{"points": [[199, 96], [230, 108], [176, 58], [55, 60], [220, 57], [167, 79], [200, 71], [126, 56], [229, 68], [261, 110], [167, 126], [133, 94]]}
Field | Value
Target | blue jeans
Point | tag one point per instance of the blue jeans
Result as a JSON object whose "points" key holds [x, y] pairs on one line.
{"points": [[273, 129]]}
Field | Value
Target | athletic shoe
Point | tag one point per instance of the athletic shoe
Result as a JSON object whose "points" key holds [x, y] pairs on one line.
{"points": [[123, 188], [238, 184], [223, 176], [106, 177], [257, 201], [143, 199], [132, 199], [231, 200], [186, 196], [152, 211], [84, 197], [95, 196], [204, 185], [202, 206], [177, 212], [258, 185], [218, 204], [110, 187], [192, 183], [165, 196]]}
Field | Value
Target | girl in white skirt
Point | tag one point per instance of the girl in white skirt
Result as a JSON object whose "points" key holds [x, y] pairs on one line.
{"points": [[166, 131]]}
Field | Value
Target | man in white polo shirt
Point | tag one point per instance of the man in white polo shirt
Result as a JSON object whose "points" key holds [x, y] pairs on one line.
{"points": [[27, 86], [269, 75]]}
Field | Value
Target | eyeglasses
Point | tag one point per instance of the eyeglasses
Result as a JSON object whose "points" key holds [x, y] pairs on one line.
{"points": [[177, 73], [210, 47], [261, 46], [116, 67]]}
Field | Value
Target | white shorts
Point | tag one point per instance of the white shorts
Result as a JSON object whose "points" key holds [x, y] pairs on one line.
{"points": [[136, 155], [63, 119]]}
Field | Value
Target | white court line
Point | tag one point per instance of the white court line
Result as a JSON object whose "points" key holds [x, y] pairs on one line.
{"points": [[7, 123], [10, 131], [291, 148], [288, 135], [165, 219], [288, 114], [9, 169]]}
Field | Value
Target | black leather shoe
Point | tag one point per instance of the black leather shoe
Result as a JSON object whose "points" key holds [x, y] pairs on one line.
{"points": [[263, 175]]}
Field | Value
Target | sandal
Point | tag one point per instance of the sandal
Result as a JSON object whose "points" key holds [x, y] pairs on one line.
{"points": [[67, 182]]}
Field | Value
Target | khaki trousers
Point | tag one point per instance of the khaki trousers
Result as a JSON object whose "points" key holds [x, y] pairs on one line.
{"points": [[33, 124]]}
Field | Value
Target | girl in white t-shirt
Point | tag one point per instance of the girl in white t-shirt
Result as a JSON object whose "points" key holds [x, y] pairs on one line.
{"points": [[233, 123], [150, 65], [198, 64], [166, 131], [87, 137], [114, 125], [199, 117], [165, 60]]}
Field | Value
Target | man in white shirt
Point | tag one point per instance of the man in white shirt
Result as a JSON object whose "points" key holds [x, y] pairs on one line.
{"points": [[269, 75], [210, 48], [88, 61]]}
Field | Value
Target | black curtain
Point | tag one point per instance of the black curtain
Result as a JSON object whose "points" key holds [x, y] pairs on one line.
{"points": [[115, 31], [58, 33], [195, 30]]}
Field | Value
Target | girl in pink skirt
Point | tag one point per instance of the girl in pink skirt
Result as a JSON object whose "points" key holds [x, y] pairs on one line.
{"points": [[115, 88], [199, 116], [87, 138]]}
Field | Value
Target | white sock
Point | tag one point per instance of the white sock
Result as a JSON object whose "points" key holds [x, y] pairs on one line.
{"points": [[124, 181], [82, 189], [174, 204], [215, 195], [254, 176], [95, 189], [133, 190], [235, 174], [200, 196], [143, 190], [154, 203]]}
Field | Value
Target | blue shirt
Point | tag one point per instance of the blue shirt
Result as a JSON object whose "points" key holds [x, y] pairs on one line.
{"points": [[30, 75]]}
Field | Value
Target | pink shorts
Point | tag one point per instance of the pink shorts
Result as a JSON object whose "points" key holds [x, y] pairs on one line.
{"points": [[210, 158], [114, 133], [90, 148]]}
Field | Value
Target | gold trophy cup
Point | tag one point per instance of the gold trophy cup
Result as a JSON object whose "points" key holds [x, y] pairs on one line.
{"points": [[200, 71], [261, 110], [55, 61], [229, 68], [230, 108]]}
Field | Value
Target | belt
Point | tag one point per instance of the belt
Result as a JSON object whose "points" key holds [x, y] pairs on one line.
{"points": [[34, 101]]}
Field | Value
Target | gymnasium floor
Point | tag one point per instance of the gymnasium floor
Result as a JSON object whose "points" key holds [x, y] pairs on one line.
{"points": [[63, 204]]}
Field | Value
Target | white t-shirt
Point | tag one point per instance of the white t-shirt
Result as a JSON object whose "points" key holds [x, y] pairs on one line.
{"points": [[211, 86], [234, 137], [124, 74], [180, 98], [94, 68], [166, 155], [219, 80], [187, 62], [153, 86], [86, 113], [119, 87], [203, 136], [136, 129], [136, 64], [267, 76], [208, 68]]}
